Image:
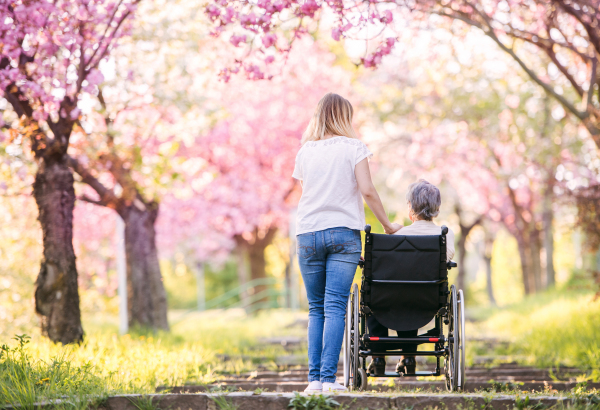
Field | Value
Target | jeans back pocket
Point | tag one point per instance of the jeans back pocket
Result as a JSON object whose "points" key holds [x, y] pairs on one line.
{"points": [[306, 245], [345, 240]]}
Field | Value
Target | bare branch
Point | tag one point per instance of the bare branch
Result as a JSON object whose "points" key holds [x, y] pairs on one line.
{"points": [[87, 63], [107, 196], [21, 107], [590, 91], [563, 70], [86, 198], [589, 27], [547, 87]]}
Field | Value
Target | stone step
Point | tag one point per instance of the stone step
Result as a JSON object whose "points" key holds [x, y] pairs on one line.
{"points": [[504, 373], [399, 380], [471, 386], [281, 401]]}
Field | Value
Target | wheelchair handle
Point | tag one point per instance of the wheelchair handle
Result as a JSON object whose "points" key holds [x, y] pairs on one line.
{"points": [[451, 264]]}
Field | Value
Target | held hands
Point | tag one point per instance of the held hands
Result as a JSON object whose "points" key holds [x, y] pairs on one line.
{"points": [[392, 228]]}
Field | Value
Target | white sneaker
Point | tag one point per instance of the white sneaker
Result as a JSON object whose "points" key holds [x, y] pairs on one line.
{"points": [[333, 387], [314, 387]]}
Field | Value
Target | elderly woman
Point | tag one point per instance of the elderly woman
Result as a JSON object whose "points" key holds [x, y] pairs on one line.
{"points": [[424, 202]]}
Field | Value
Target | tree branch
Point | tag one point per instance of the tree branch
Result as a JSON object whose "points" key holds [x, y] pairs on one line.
{"points": [[489, 31], [547, 87], [86, 198], [21, 107], [590, 91], [593, 36], [107, 196], [563, 70]]}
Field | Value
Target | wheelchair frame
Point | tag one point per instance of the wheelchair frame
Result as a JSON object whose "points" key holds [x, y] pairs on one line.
{"points": [[450, 346]]}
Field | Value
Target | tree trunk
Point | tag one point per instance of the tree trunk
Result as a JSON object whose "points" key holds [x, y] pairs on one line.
{"points": [[254, 253], [146, 296], [548, 219], [525, 253], [242, 271], [56, 293], [465, 230], [487, 257], [256, 257], [536, 255], [462, 253], [528, 239]]}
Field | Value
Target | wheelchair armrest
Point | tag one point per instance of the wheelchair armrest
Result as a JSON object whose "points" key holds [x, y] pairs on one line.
{"points": [[451, 264]]}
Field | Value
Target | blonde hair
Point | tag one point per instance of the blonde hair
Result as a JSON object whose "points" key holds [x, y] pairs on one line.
{"points": [[333, 116]]}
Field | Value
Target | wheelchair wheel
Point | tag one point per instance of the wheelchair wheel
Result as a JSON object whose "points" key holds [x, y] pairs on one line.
{"points": [[363, 380], [351, 335], [461, 341], [451, 360]]}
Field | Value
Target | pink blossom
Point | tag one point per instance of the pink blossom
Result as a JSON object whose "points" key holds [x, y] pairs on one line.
{"points": [[388, 17], [95, 77], [248, 19], [228, 15], [336, 33], [309, 8], [213, 11], [236, 40], [51, 28], [269, 40], [75, 114], [39, 115]]}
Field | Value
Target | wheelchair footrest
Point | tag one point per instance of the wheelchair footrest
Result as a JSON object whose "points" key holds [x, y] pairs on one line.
{"points": [[416, 374], [419, 339], [438, 353]]}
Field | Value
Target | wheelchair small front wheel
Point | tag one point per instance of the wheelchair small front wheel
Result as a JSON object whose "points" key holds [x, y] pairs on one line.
{"points": [[362, 380]]}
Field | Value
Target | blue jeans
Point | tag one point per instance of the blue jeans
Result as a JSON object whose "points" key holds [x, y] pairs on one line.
{"points": [[328, 260]]}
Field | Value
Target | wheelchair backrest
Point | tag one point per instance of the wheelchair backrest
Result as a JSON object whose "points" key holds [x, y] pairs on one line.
{"points": [[405, 279]]}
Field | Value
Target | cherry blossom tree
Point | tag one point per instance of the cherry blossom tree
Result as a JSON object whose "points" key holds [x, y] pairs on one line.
{"points": [[120, 159], [240, 178], [153, 99], [50, 57], [555, 42], [493, 136]]}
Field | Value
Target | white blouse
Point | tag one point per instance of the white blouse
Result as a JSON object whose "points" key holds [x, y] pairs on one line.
{"points": [[330, 194], [422, 227]]}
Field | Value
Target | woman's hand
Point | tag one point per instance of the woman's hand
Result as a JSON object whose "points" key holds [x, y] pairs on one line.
{"points": [[393, 228]]}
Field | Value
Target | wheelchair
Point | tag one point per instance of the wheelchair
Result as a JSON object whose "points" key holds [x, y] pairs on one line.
{"points": [[405, 286]]}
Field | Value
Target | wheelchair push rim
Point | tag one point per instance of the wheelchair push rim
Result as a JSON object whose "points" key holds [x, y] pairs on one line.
{"points": [[455, 359], [451, 362], [461, 345]]}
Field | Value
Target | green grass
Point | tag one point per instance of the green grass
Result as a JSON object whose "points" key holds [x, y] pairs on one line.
{"points": [[200, 349], [556, 328]]}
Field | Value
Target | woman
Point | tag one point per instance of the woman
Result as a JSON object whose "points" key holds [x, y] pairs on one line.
{"points": [[333, 167]]}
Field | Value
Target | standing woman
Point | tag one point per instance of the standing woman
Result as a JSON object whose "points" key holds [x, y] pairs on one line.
{"points": [[333, 167]]}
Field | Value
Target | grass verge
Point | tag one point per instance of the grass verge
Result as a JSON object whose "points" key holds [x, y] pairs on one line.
{"points": [[200, 349], [553, 329]]}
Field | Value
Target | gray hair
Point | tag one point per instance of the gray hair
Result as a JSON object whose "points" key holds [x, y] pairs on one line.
{"points": [[425, 199]]}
